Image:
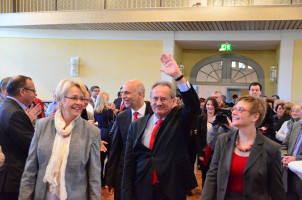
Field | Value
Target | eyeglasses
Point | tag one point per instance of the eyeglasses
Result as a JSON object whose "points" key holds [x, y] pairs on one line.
{"points": [[75, 99], [239, 109], [162, 99], [34, 91]]}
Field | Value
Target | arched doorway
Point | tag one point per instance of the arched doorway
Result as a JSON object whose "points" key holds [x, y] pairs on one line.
{"points": [[228, 73]]}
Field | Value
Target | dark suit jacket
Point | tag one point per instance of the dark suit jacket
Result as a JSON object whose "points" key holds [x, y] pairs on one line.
{"points": [[288, 148], [262, 173], [169, 156], [268, 122], [117, 151], [16, 132], [201, 136]]}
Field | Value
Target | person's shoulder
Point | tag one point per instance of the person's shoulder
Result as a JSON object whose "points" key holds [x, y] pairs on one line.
{"points": [[226, 136], [123, 114], [270, 145]]}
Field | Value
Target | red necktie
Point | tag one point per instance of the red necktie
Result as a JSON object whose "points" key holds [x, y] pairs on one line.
{"points": [[135, 116], [158, 123], [122, 106]]}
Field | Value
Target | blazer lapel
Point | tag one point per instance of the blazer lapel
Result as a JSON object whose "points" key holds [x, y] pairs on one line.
{"points": [[255, 152], [141, 130], [296, 133], [229, 150]]}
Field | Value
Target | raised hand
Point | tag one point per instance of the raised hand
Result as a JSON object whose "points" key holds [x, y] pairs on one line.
{"points": [[172, 68]]}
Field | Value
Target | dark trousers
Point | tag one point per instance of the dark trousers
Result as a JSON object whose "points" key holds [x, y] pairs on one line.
{"points": [[9, 196], [294, 187], [158, 193], [103, 178]]}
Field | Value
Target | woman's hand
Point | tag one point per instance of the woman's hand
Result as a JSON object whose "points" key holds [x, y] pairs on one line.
{"points": [[229, 124]]}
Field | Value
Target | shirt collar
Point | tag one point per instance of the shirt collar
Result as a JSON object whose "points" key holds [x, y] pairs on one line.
{"points": [[140, 111], [155, 119], [21, 104]]}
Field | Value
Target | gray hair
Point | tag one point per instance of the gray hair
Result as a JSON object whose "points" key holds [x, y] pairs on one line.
{"points": [[65, 85], [217, 92], [4, 83], [164, 83]]}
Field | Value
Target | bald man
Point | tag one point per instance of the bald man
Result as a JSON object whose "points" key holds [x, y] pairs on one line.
{"points": [[133, 93]]}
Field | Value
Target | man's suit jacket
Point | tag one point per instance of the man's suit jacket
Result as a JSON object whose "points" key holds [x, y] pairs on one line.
{"points": [[83, 168], [288, 148], [16, 132], [115, 162], [169, 156], [262, 172]]}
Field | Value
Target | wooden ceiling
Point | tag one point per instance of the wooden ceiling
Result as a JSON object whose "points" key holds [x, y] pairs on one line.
{"points": [[176, 26]]}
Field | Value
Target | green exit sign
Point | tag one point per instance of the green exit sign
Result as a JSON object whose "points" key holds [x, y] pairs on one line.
{"points": [[225, 47]]}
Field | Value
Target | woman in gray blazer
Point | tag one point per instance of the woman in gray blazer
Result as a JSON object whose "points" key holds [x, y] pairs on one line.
{"points": [[64, 156], [246, 165]]}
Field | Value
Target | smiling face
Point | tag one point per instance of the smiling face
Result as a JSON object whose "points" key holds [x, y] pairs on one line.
{"points": [[71, 109], [210, 107], [296, 112], [280, 110], [161, 101], [132, 97], [241, 116]]}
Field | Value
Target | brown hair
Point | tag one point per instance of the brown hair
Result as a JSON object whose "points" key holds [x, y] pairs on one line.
{"points": [[257, 105], [288, 108], [215, 104]]}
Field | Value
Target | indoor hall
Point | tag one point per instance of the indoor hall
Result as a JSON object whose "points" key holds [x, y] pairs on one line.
{"points": [[119, 42]]}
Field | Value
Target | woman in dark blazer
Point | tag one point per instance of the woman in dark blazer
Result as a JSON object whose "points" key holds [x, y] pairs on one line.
{"points": [[203, 150], [105, 116], [246, 165]]}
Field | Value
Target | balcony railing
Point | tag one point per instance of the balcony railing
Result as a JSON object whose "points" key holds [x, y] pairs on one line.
{"points": [[20, 6]]}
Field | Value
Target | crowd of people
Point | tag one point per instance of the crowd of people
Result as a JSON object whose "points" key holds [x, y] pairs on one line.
{"points": [[146, 150]]}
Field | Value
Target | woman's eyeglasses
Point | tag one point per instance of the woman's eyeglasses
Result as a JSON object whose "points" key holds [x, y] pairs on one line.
{"points": [[75, 99], [239, 109]]}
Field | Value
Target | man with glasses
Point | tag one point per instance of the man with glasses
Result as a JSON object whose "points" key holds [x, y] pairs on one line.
{"points": [[157, 164], [95, 90], [16, 132]]}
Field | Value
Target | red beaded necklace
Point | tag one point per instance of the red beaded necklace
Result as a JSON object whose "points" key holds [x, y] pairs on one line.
{"points": [[241, 149]]}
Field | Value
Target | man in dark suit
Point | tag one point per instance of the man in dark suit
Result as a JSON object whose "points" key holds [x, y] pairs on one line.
{"points": [[267, 125], [157, 164], [292, 148], [133, 93], [16, 132]]}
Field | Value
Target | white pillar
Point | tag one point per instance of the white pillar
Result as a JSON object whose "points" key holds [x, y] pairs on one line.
{"points": [[285, 67], [168, 48]]}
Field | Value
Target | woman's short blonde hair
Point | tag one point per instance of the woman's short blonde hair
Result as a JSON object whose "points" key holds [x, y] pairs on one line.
{"points": [[101, 102], [65, 85], [257, 105]]}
